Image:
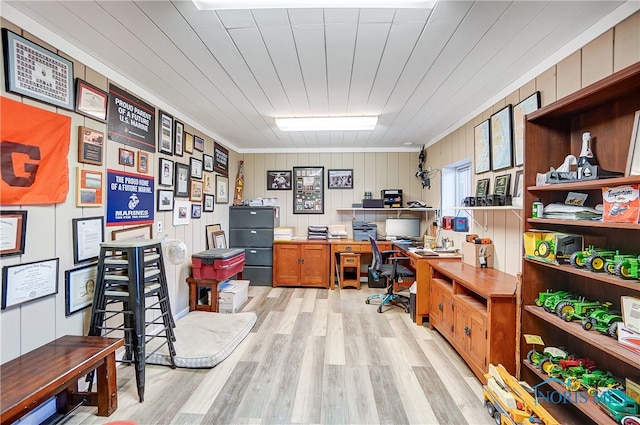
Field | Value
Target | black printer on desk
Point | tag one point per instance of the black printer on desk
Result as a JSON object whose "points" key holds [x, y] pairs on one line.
{"points": [[362, 230]]}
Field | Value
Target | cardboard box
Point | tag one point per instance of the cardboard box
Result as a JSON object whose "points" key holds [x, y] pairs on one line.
{"points": [[632, 384], [551, 247], [232, 295], [628, 338], [631, 312], [471, 253]]}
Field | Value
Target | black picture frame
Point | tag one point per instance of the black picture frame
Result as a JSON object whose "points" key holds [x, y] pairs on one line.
{"points": [[220, 159], [207, 161], [309, 190], [178, 135], [14, 228], [91, 101], [195, 168], [86, 245], [181, 189], [529, 104], [165, 172], [80, 285], [502, 139], [90, 145], [165, 200], [482, 187], [208, 205], [518, 185], [340, 179], [501, 185], [482, 147], [42, 282], [198, 143], [165, 132], [23, 56], [196, 210], [279, 180]]}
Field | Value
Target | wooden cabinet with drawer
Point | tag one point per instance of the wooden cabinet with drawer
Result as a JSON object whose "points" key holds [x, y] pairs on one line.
{"points": [[301, 263]]}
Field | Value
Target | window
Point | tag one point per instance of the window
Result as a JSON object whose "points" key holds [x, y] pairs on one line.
{"points": [[456, 185]]}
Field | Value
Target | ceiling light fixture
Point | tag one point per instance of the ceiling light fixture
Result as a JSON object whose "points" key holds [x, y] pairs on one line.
{"points": [[327, 123], [298, 4]]}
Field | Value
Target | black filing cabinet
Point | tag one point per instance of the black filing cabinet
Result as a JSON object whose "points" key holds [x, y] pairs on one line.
{"points": [[251, 228]]}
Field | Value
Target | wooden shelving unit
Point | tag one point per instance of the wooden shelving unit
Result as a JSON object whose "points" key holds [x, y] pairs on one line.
{"points": [[606, 109]]}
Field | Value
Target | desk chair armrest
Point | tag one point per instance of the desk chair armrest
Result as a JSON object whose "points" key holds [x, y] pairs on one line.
{"points": [[390, 251]]}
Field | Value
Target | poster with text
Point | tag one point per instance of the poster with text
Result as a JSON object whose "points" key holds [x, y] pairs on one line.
{"points": [[129, 198], [131, 120]]}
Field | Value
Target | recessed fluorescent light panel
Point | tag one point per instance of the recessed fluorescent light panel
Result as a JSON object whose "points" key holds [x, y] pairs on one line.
{"points": [[327, 123], [298, 4]]}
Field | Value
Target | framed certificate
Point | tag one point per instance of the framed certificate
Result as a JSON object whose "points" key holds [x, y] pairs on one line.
{"points": [[80, 286], [29, 281], [13, 229], [88, 234]]}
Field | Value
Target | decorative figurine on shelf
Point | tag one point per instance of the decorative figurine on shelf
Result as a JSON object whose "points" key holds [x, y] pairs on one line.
{"points": [[586, 157]]}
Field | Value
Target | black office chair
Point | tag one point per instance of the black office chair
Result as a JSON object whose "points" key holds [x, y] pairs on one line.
{"points": [[385, 266]]}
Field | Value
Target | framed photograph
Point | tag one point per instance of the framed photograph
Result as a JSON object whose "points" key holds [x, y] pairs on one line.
{"points": [[518, 185], [210, 231], [143, 162], [208, 162], [166, 172], [208, 203], [219, 240], [633, 158], [220, 159], [279, 180], [309, 190], [523, 108], [198, 143], [88, 234], [165, 200], [90, 144], [182, 180], [222, 190], [207, 182], [13, 228], [125, 157], [501, 185], [137, 232], [482, 187], [501, 139], [196, 210], [35, 72], [91, 101], [181, 212], [165, 132], [29, 281], [195, 167], [188, 142], [88, 188], [340, 179], [195, 191], [80, 284], [178, 147], [482, 147]]}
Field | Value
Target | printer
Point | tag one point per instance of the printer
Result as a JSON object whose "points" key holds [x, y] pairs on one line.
{"points": [[362, 230]]}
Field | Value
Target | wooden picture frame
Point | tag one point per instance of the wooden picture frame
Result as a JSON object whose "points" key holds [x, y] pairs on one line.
{"points": [[502, 139], [188, 142], [24, 59], [13, 228], [220, 159], [222, 189], [80, 285], [208, 203], [196, 210], [340, 179], [195, 168], [143, 162], [309, 190], [88, 234], [181, 180], [89, 184], [144, 231], [165, 200], [166, 172], [220, 240], [482, 147], [91, 101], [26, 282], [207, 183], [209, 231], [501, 185], [482, 187], [195, 191], [207, 162], [178, 134], [633, 157], [165, 132], [279, 180], [126, 157], [90, 145], [528, 105], [198, 143]]}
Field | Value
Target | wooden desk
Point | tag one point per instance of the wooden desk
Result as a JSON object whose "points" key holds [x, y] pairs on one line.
{"points": [[55, 368], [348, 245]]}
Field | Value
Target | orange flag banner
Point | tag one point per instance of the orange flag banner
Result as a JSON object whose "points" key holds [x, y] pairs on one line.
{"points": [[34, 145]]}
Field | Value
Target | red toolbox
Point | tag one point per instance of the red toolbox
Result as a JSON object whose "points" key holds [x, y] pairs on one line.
{"points": [[219, 264]]}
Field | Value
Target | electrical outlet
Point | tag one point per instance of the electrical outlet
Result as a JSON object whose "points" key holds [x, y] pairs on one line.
{"points": [[160, 228]]}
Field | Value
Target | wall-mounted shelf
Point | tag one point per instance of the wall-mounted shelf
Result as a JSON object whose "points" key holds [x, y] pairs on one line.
{"points": [[398, 211], [513, 208]]}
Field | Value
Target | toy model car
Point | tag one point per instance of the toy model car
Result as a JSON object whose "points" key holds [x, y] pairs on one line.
{"points": [[592, 258], [619, 406], [603, 320], [552, 303]]}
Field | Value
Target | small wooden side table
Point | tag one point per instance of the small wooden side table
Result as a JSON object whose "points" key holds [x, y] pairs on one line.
{"points": [[194, 289]]}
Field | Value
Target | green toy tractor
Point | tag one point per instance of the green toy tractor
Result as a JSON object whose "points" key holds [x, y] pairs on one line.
{"points": [[576, 309], [603, 320], [591, 258], [626, 266], [598, 379], [544, 296]]}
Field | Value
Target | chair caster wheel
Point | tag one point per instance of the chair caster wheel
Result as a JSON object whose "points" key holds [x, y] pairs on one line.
{"points": [[380, 309], [406, 310]]}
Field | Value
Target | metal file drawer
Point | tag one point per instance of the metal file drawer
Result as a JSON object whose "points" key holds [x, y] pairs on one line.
{"points": [[253, 217], [258, 275], [256, 238], [258, 256]]}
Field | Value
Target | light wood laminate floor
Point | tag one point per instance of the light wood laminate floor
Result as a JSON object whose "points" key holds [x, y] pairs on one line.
{"points": [[314, 357]]}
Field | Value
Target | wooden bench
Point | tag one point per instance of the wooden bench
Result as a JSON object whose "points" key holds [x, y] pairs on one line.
{"points": [[54, 369]]}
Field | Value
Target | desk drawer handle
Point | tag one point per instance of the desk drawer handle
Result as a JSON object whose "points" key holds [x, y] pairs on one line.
{"points": [[467, 331], [349, 248], [440, 307]]}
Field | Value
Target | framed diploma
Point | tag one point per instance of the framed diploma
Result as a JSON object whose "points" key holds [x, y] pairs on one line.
{"points": [[80, 285], [28, 282], [13, 228], [88, 234]]}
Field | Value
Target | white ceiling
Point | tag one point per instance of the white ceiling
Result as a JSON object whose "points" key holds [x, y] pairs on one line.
{"points": [[230, 73]]}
